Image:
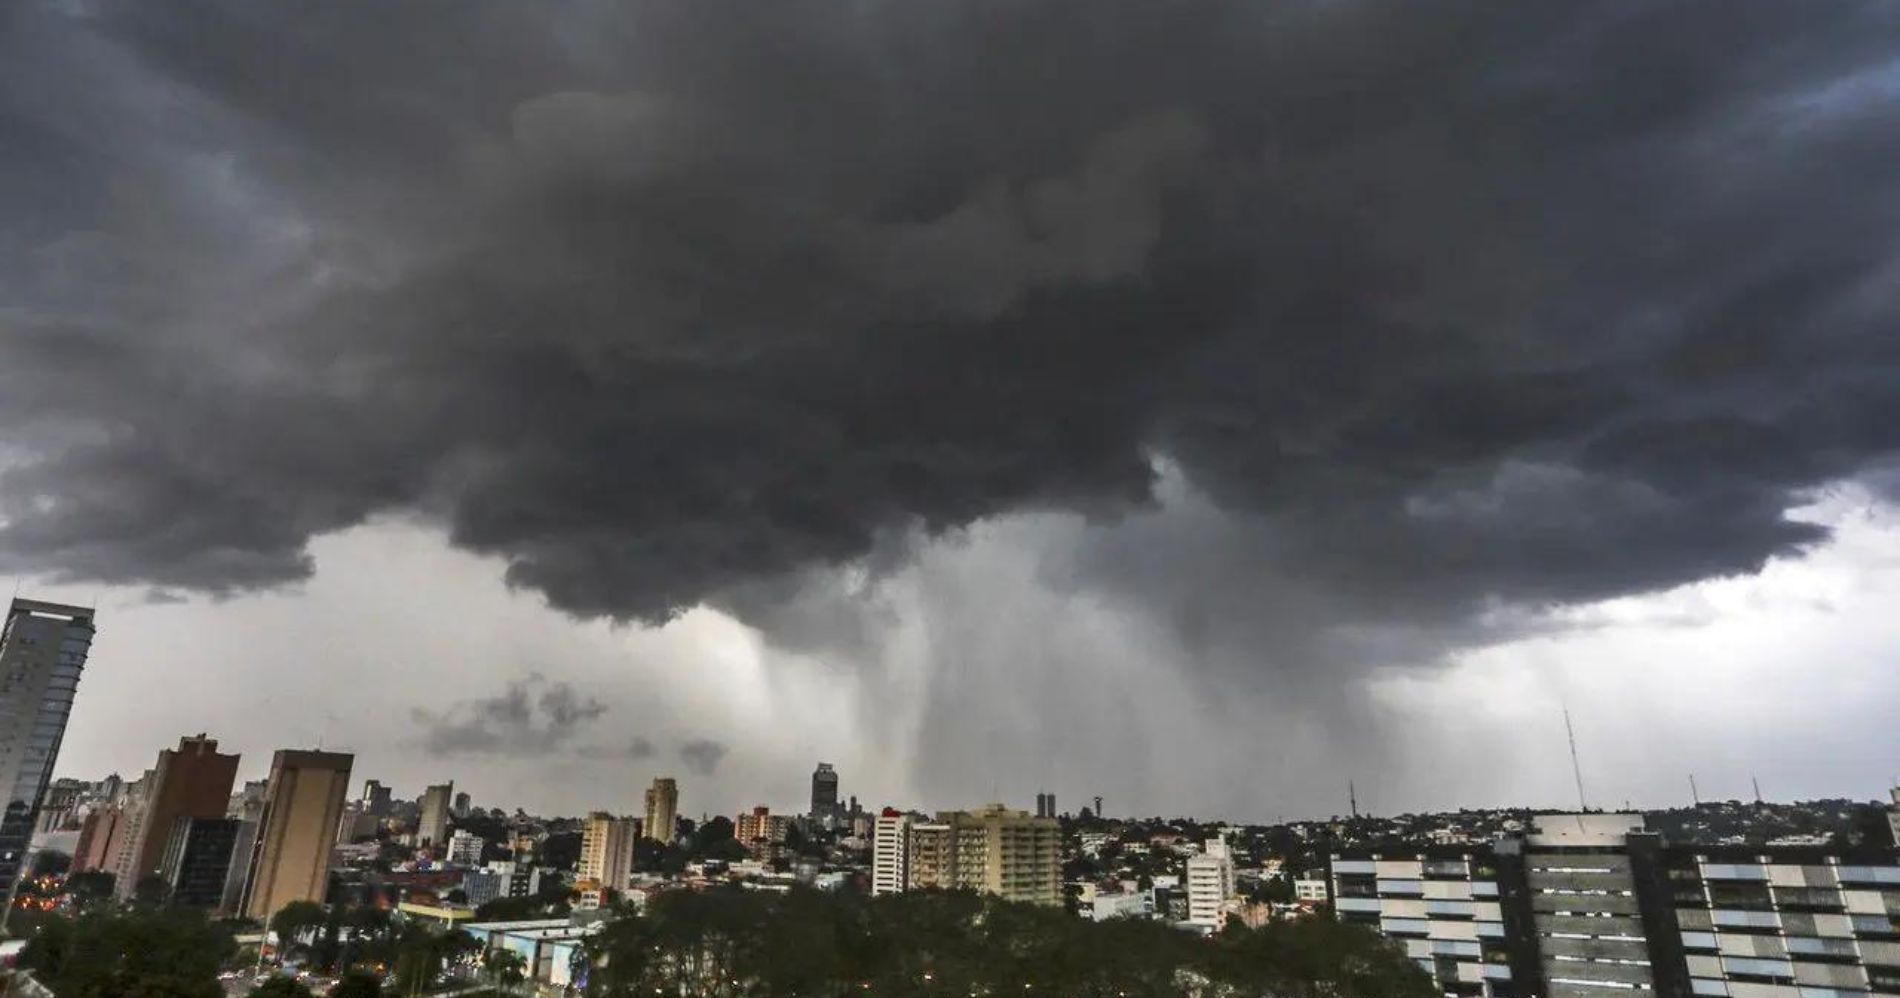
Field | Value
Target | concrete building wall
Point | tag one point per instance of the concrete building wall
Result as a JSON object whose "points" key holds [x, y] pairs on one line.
{"points": [[298, 832], [192, 781], [662, 817]]}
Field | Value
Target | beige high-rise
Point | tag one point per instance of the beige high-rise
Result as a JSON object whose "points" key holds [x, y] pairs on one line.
{"points": [[607, 850], [432, 824], [993, 850], [663, 802], [302, 806]]}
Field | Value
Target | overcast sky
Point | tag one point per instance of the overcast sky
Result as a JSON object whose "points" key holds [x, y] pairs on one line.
{"points": [[1199, 404]]}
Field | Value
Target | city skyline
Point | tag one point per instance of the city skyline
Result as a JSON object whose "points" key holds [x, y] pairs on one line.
{"points": [[661, 390]]}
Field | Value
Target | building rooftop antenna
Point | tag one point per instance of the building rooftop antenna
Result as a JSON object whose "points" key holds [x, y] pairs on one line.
{"points": [[1576, 768]]}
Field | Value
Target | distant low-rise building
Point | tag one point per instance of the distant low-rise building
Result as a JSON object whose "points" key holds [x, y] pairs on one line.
{"points": [[465, 848]]}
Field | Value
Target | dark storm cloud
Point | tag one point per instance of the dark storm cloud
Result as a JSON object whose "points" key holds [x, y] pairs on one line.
{"points": [[635, 748], [702, 756], [532, 716], [1438, 305]]}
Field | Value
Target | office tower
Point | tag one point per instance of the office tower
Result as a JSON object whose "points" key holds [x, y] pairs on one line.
{"points": [[297, 833], [462, 805], [375, 798], [1045, 805], [197, 860], [192, 781], [824, 791], [432, 827], [607, 850], [486, 884], [42, 652], [1210, 884], [663, 801], [465, 848], [890, 853], [1589, 905], [1582, 879]]}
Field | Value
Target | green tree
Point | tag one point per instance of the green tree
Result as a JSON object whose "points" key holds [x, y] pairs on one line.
{"points": [[507, 969], [296, 921], [280, 986], [90, 887], [106, 954], [357, 984], [151, 891], [51, 863]]}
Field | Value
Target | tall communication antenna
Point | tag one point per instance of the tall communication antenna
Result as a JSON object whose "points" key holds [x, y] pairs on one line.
{"points": [[1352, 798], [1576, 768], [1695, 796], [1757, 783]]}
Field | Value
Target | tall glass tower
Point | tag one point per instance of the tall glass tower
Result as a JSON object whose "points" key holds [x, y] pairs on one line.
{"points": [[42, 651], [824, 791]]}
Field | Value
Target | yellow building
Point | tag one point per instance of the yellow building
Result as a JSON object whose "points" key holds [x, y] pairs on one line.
{"points": [[607, 850], [663, 802], [302, 804], [993, 850]]}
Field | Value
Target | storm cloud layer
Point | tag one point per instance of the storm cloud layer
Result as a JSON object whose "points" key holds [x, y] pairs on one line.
{"points": [[1420, 310]]}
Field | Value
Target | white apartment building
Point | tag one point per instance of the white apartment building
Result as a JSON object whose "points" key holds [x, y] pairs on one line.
{"points": [[465, 848], [890, 854], [1210, 884]]}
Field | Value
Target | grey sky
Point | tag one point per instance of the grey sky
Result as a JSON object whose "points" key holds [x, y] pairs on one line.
{"points": [[1147, 408]]}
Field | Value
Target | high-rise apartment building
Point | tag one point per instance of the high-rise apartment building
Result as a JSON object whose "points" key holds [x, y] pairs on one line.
{"points": [[663, 801], [432, 827], [192, 781], [890, 853], [1210, 884], [463, 803], [933, 855], [297, 833], [993, 850], [43, 650], [98, 833], [1593, 905], [132, 799], [607, 850], [824, 791]]}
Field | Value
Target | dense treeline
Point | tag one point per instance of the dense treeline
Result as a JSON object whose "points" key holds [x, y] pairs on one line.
{"points": [[732, 943]]}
